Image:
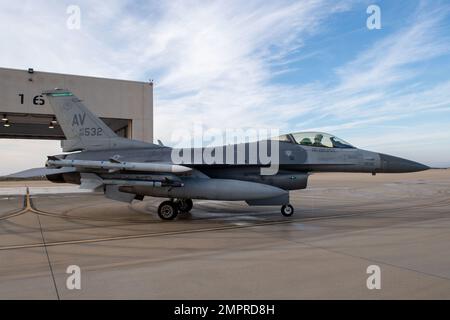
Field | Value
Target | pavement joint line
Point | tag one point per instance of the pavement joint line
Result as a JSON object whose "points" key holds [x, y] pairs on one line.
{"points": [[168, 233], [310, 245], [149, 235], [29, 207], [17, 212]]}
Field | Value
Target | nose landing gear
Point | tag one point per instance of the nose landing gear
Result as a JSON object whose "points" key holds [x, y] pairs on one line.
{"points": [[287, 210]]}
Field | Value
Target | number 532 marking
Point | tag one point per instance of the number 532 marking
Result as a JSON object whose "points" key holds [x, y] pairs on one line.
{"points": [[91, 132]]}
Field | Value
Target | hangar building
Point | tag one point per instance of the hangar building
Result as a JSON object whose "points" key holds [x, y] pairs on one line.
{"points": [[125, 106]]}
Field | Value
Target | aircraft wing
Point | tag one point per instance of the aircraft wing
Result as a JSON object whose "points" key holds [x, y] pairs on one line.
{"points": [[39, 172]]}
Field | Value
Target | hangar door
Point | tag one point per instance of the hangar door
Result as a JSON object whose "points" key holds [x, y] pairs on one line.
{"points": [[125, 106]]}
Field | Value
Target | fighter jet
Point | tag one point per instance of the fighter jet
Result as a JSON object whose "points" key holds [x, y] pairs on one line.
{"points": [[126, 170]]}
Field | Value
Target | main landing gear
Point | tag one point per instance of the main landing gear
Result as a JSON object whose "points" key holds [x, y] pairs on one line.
{"points": [[185, 205], [287, 210], [168, 210]]}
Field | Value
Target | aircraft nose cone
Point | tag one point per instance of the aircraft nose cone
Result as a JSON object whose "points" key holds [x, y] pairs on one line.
{"points": [[391, 164]]}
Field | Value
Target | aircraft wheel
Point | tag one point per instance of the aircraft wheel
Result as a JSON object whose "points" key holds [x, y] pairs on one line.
{"points": [[287, 210], [168, 210], [185, 205]]}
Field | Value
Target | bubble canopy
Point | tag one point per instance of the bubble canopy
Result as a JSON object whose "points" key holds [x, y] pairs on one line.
{"points": [[316, 139]]}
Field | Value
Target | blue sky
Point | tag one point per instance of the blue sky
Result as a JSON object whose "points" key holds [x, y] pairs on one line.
{"points": [[291, 65]]}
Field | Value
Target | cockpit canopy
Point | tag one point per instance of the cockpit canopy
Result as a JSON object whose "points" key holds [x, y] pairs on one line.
{"points": [[315, 139]]}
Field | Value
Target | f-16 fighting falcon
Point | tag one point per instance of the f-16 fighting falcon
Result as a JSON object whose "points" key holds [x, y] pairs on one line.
{"points": [[126, 170]]}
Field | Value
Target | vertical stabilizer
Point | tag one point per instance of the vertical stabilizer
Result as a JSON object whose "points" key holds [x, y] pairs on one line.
{"points": [[83, 129]]}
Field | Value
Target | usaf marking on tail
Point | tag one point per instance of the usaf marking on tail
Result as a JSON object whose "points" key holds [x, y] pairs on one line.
{"points": [[78, 119]]}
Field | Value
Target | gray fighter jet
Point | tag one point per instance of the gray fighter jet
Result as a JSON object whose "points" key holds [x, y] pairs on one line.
{"points": [[127, 170]]}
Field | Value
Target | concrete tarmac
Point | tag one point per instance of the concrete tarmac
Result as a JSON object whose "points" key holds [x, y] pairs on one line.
{"points": [[343, 223]]}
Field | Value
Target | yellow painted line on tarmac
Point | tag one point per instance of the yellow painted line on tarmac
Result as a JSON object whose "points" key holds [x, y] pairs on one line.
{"points": [[26, 207], [28, 201], [13, 214]]}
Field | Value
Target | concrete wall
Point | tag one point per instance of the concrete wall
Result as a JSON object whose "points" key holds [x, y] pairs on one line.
{"points": [[108, 98]]}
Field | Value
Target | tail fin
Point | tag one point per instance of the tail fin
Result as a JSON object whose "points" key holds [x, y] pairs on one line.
{"points": [[83, 129]]}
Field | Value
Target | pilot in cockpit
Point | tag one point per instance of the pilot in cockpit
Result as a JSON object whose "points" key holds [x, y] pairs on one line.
{"points": [[318, 140]]}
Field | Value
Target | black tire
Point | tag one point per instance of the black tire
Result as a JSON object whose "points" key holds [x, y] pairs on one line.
{"points": [[185, 205], [168, 210], [287, 210]]}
